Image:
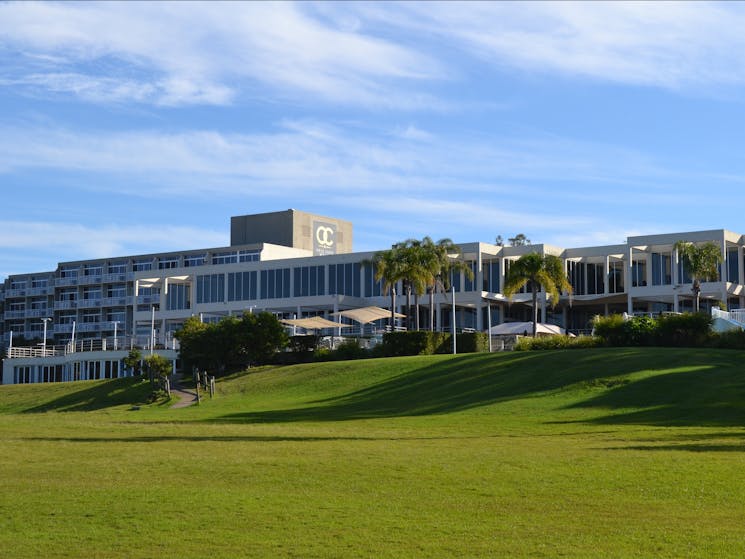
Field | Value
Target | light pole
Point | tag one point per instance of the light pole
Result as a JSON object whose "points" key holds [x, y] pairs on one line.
{"points": [[44, 341], [116, 323], [455, 350], [152, 329]]}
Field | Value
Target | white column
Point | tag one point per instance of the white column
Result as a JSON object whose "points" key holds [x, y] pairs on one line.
{"points": [[740, 269], [630, 301], [676, 301], [606, 279], [542, 300], [648, 275]]}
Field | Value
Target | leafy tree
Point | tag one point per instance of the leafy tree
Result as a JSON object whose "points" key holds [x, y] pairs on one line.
{"points": [[702, 262], [261, 336], [159, 369], [499, 241], [519, 240], [541, 271], [133, 362]]}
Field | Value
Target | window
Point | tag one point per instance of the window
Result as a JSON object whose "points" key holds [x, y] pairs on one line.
{"points": [[194, 260], [90, 318], [661, 269], [69, 272], [733, 268], [119, 290], [344, 279], [248, 255], [118, 268], [68, 295], [490, 272], [38, 283], [309, 281], [242, 286], [471, 283], [639, 273], [275, 284], [92, 293], [18, 284], [225, 257], [167, 263], [178, 297], [142, 265], [577, 272], [372, 288], [615, 277], [211, 288], [92, 270]]}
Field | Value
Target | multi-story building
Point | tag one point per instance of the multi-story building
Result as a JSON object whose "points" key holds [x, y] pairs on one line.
{"points": [[298, 265]]}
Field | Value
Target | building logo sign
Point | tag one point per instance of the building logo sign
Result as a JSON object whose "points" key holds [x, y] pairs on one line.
{"points": [[324, 238]]}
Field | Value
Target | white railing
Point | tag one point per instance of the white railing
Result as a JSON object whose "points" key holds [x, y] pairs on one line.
{"points": [[736, 315], [121, 343]]}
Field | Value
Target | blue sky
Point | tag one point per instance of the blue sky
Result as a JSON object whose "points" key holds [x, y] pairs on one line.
{"points": [[142, 127]]}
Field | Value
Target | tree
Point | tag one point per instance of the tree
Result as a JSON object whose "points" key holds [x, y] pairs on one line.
{"points": [[702, 262], [133, 362], [440, 260], [499, 241], [519, 240], [541, 271], [159, 368], [389, 268]]}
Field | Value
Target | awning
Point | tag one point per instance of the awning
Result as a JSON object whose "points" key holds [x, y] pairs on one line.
{"points": [[365, 315], [523, 327], [313, 323]]}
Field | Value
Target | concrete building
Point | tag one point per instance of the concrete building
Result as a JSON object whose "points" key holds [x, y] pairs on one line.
{"points": [[299, 265]]}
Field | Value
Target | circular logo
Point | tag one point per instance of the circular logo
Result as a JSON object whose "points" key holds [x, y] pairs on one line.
{"points": [[325, 236]]}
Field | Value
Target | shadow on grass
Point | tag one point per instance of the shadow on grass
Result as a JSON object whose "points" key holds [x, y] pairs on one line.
{"points": [[239, 438], [703, 394], [480, 379], [96, 395]]}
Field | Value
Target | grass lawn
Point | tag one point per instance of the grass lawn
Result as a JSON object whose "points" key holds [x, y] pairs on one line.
{"points": [[579, 453]]}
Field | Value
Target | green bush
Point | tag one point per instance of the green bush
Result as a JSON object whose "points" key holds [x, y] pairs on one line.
{"points": [[424, 342], [557, 342], [734, 339], [688, 329]]}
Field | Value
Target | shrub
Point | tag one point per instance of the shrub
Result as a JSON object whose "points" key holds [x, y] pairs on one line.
{"points": [[557, 342], [422, 342], [609, 329], [472, 342], [734, 339], [689, 329]]}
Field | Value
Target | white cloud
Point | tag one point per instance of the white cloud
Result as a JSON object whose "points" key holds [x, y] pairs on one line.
{"points": [[666, 44], [41, 245], [192, 52]]}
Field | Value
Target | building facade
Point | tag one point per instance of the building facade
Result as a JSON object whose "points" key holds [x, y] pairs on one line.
{"points": [[299, 265]]}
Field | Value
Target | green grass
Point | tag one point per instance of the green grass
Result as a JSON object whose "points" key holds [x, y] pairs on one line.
{"points": [[577, 453]]}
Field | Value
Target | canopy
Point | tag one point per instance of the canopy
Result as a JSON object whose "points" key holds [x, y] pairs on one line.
{"points": [[365, 315], [313, 323], [523, 327]]}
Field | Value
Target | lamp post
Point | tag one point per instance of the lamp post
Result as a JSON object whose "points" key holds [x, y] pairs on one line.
{"points": [[116, 323], [152, 329], [455, 349], [44, 341]]}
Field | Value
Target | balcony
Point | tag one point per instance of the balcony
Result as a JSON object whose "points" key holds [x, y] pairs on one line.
{"points": [[38, 313], [116, 278], [89, 327], [14, 314], [116, 301], [62, 282], [40, 291], [10, 293], [148, 299], [89, 303], [62, 305], [88, 280]]}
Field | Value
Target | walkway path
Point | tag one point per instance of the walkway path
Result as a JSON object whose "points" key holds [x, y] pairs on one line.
{"points": [[186, 396]]}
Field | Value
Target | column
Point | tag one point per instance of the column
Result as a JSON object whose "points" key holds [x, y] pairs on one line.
{"points": [[627, 281], [740, 268], [606, 280]]}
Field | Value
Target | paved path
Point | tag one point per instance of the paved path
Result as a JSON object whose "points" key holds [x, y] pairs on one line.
{"points": [[186, 396]]}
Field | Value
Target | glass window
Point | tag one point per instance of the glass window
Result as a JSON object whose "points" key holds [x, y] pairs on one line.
{"points": [[142, 265], [118, 268], [211, 288], [194, 260], [225, 257], [167, 263]]}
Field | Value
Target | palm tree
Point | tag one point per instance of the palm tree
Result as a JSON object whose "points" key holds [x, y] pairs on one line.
{"points": [[414, 257], [439, 261], [541, 271], [389, 268], [702, 262]]}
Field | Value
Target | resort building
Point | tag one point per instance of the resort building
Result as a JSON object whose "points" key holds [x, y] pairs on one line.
{"points": [[298, 265]]}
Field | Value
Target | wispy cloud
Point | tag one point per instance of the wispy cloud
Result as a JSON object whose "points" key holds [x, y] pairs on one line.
{"points": [[205, 53], [33, 245], [667, 44]]}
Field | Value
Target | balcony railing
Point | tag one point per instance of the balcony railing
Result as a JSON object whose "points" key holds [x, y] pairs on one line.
{"points": [[116, 301], [61, 282], [62, 305], [89, 303], [14, 314]]}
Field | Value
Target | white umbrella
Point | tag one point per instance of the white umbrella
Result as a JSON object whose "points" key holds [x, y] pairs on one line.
{"points": [[521, 328]]}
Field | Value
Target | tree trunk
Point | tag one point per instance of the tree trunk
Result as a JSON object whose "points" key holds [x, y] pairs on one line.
{"points": [[696, 295], [408, 306], [393, 310], [416, 304], [535, 312], [432, 310]]}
